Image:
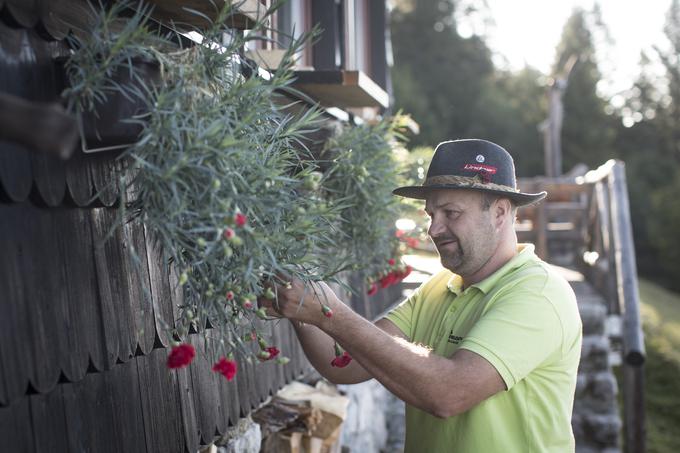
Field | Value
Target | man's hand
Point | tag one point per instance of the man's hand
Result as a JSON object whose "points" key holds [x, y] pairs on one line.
{"points": [[303, 305], [302, 302]]}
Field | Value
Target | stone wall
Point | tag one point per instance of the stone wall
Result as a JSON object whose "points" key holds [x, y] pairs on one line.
{"points": [[596, 421], [375, 419]]}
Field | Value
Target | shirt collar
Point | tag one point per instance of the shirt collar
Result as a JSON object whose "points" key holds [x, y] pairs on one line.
{"points": [[524, 253], [455, 284]]}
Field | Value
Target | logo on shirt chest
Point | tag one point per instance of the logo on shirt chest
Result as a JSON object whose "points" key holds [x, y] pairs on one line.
{"points": [[455, 339]]}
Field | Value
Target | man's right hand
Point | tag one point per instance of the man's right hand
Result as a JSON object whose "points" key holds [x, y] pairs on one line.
{"points": [[303, 306]]}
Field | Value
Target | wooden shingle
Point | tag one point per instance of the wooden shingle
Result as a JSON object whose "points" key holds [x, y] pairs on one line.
{"points": [[16, 429], [43, 294], [15, 352], [161, 408], [50, 431], [160, 289]]}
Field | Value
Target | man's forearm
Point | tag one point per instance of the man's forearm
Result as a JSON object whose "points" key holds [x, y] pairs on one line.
{"points": [[319, 349], [411, 372]]}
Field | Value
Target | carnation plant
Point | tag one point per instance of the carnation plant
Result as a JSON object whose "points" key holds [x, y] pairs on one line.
{"points": [[363, 172], [220, 177]]}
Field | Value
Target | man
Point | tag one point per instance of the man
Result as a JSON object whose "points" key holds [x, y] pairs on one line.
{"points": [[485, 353]]}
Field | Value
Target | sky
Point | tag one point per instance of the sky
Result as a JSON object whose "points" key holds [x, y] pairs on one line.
{"points": [[527, 32]]}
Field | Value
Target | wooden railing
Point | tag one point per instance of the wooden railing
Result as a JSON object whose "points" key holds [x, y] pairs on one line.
{"points": [[585, 223], [609, 264]]}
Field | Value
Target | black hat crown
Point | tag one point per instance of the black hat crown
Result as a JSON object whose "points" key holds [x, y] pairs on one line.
{"points": [[471, 164]]}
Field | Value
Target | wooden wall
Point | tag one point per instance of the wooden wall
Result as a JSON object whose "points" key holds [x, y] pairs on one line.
{"points": [[82, 349]]}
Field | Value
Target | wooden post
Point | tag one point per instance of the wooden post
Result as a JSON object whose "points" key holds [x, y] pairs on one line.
{"points": [[633, 342], [541, 227], [552, 144], [607, 215], [634, 408], [553, 125]]}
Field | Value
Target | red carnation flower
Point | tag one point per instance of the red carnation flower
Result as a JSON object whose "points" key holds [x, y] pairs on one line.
{"points": [[372, 289], [391, 262], [181, 355], [399, 233], [229, 234], [387, 280], [341, 361], [412, 242], [230, 295], [268, 353], [226, 368], [240, 219]]}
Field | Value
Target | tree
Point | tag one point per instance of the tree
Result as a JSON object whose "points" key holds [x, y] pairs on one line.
{"points": [[508, 111], [438, 76], [587, 133], [650, 146]]}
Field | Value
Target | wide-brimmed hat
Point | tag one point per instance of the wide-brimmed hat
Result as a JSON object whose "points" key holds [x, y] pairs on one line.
{"points": [[471, 164]]}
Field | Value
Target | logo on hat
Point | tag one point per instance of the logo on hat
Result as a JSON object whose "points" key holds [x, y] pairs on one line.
{"points": [[480, 158], [480, 168]]}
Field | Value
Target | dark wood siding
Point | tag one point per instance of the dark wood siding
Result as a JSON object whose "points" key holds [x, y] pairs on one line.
{"points": [[82, 349]]}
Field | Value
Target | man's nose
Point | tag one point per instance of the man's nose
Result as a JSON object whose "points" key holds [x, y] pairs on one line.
{"points": [[436, 228]]}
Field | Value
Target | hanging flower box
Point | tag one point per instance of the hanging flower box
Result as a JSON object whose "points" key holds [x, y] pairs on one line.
{"points": [[116, 121]]}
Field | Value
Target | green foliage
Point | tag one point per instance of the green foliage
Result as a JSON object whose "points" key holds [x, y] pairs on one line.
{"points": [[111, 46], [660, 310], [450, 87], [360, 181], [220, 177], [438, 76], [508, 112], [650, 148], [414, 165], [663, 224]]}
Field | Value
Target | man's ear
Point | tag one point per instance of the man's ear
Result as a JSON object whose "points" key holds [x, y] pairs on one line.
{"points": [[503, 210]]}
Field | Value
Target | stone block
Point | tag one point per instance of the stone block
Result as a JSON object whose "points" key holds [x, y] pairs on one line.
{"points": [[602, 390], [593, 317], [581, 385], [594, 354], [603, 428], [245, 437], [577, 427], [365, 427]]}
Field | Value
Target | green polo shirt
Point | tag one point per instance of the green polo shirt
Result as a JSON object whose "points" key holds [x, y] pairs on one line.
{"points": [[524, 320]]}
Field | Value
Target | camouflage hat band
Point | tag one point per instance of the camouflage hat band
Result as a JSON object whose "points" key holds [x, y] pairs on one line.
{"points": [[471, 182]]}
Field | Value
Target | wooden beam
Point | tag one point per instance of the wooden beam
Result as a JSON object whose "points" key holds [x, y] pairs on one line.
{"points": [[341, 88], [328, 49], [179, 14], [379, 37]]}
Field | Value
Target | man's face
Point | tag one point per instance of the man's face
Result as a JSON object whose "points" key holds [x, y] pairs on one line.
{"points": [[464, 233]]}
